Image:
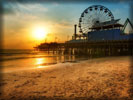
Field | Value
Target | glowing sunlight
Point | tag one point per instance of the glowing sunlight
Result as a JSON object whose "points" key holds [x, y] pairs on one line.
{"points": [[39, 33]]}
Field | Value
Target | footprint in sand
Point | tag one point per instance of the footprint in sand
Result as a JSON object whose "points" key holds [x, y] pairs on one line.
{"points": [[26, 83], [92, 73], [2, 83], [52, 77]]}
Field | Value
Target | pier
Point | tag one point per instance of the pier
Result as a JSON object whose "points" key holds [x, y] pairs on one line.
{"points": [[100, 48]]}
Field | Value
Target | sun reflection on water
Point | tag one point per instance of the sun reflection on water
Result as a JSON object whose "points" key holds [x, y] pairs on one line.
{"points": [[39, 62], [41, 66]]}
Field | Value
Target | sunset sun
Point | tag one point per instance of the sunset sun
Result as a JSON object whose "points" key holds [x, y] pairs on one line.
{"points": [[39, 33]]}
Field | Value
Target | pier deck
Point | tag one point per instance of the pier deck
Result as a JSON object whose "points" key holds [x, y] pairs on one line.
{"points": [[95, 48]]}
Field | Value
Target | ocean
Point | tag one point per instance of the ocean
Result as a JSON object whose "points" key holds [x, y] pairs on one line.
{"points": [[21, 59]]}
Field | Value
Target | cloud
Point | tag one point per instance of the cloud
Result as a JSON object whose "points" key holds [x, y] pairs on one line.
{"points": [[24, 8], [55, 3], [19, 14], [8, 11], [33, 8], [63, 24]]}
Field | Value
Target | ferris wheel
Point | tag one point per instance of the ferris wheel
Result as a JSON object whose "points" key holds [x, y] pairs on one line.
{"points": [[93, 16]]}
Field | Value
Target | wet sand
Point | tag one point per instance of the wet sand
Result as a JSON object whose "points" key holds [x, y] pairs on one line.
{"points": [[99, 78]]}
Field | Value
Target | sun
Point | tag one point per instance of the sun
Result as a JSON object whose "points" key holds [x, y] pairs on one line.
{"points": [[39, 33]]}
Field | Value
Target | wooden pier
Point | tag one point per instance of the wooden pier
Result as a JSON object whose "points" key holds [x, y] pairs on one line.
{"points": [[102, 48]]}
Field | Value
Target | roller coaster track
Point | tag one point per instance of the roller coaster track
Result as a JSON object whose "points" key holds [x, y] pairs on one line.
{"points": [[125, 24]]}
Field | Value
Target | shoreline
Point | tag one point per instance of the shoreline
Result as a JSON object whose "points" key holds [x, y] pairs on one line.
{"points": [[94, 78], [57, 63]]}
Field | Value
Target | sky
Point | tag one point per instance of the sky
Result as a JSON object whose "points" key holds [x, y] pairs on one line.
{"points": [[57, 18]]}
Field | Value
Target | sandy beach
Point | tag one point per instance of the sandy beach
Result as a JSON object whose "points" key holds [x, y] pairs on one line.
{"points": [[97, 78]]}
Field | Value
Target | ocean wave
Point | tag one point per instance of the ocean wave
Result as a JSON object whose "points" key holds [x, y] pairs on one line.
{"points": [[17, 58]]}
